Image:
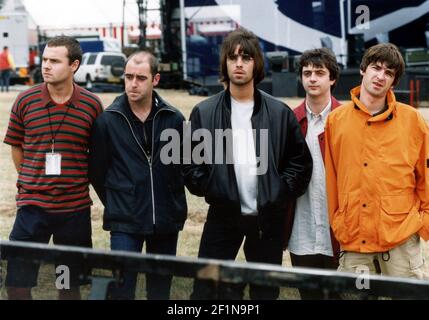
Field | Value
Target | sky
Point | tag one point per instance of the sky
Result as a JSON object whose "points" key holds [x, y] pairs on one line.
{"points": [[86, 13]]}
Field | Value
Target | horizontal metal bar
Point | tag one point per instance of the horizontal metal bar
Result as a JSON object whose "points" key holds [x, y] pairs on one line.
{"points": [[217, 270]]}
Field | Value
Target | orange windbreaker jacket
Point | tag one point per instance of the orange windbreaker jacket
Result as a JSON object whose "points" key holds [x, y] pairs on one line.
{"points": [[377, 175]]}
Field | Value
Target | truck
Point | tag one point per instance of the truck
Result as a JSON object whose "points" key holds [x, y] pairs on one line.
{"points": [[99, 44], [14, 34]]}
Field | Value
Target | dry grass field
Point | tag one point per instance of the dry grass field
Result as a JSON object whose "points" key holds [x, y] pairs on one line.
{"points": [[189, 238]]}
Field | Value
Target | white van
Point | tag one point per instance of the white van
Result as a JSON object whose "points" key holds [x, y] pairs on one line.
{"points": [[101, 67]]}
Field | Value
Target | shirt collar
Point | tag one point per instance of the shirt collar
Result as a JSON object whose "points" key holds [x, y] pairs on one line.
{"points": [[47, 100], [324, 114]]}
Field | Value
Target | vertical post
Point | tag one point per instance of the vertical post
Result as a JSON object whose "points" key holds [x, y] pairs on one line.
{"points": [[142, 23], [412, 93], [343, 45], [123, 25], [417, 92], [183, 39]]}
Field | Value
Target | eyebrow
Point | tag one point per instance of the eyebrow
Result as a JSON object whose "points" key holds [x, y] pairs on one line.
{"points": [[315, 70], [135, 74]]}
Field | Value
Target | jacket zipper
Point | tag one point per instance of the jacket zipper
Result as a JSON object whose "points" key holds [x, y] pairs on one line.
{"points": [[149, 159], [257, 197], [150, 165]]}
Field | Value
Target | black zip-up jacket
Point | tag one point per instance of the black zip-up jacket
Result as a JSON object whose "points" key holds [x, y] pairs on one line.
{"points": [[140, 193], [289, 160]]}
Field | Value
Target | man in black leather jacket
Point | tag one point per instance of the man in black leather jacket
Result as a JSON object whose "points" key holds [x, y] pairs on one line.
{"points": [[143, 196], [248, 173]]}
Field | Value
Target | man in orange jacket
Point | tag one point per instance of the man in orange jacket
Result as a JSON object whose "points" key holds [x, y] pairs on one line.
{"points": [[377, 173]]}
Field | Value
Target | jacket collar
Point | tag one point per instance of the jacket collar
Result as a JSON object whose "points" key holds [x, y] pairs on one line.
{"points": [[256, 97], [300, 111], [386, 115], [121, 103]]}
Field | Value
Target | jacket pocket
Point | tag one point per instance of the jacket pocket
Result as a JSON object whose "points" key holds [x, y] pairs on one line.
{"points": [[120, 199], [397, 204], [394, 211], [339, 225]]}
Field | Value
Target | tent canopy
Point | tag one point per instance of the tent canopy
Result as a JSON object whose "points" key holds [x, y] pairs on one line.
{"points": [[65, 14]]}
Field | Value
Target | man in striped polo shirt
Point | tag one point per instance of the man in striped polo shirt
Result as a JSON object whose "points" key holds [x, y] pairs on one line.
{"points": [[49, 132]]}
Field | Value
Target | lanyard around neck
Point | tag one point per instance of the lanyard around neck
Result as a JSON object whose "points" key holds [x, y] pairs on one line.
{"points": [[53, 135]]}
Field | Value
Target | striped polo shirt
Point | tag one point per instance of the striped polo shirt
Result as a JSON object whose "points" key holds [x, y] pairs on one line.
{"points": [[33, 126]]}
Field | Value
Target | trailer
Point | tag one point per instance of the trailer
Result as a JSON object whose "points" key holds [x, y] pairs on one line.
{"points": [[14, 34]]}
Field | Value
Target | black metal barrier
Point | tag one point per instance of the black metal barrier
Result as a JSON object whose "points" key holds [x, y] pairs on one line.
{"points": [[214, 270]]}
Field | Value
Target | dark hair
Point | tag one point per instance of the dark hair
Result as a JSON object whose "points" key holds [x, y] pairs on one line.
{"points": [[72, 45], [386, 53], [249, 44], [147, 56], [322, 57]]}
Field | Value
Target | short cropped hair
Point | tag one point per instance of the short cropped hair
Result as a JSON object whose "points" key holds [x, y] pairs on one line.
{"points": [[72, 45], [249, 44], [145, 56], [321, 57], [386, 53]]}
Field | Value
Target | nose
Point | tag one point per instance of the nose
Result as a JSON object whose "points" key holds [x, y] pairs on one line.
{"points": [[134, 82], [239, 61], [381, 74], [46, 65]]}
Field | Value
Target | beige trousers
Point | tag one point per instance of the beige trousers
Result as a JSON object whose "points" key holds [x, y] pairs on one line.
{"points": [[405, 260]]}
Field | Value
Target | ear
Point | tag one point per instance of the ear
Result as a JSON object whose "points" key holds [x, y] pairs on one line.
{"points": [[75, 65], [156, 79], [361, 72]]}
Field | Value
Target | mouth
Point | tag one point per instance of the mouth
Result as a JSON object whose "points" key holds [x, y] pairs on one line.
{"points": [[377, 85]]}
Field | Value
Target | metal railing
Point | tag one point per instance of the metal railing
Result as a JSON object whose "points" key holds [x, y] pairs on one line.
{"points": [[213, 270]]}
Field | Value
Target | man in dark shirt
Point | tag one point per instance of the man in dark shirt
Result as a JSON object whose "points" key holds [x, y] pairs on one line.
{"points": [[143, 195]]}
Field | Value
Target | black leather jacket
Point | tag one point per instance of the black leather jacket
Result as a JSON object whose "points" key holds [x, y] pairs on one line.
{"points": [[289, 160]]}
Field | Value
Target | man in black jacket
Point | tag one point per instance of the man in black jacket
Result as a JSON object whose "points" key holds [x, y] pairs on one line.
{"points": [[250, 171], [143, 196]]}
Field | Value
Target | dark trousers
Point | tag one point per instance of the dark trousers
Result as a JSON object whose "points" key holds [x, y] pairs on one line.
{"points": [[5, 79], [157, 286], [34, 224], [319, 261], [222, 240]]}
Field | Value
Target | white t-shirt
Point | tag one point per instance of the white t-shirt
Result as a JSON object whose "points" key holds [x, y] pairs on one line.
{"points": [[244, 155]]}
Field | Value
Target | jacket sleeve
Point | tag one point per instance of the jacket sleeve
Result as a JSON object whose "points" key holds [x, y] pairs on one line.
{"points": [[299, 165], [422, 181], [195, 174], [99, 157], [331, 174]]}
